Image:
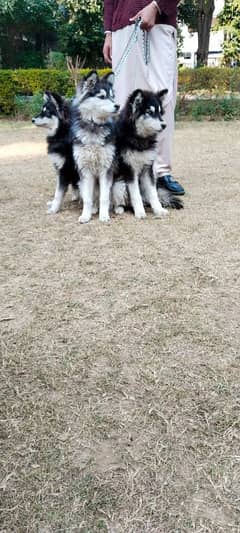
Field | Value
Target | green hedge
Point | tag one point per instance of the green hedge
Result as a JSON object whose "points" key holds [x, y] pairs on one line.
{"points": [[221, 108], [212, 79], [22, 82], [7, 92], [28, 82]]}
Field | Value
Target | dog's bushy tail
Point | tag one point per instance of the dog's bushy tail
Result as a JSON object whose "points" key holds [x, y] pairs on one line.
{"points": [[168, 199]]}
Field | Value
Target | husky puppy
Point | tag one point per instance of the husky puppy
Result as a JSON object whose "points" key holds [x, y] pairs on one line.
{"points": [[139, 124], [55, 117], [93, 141]]}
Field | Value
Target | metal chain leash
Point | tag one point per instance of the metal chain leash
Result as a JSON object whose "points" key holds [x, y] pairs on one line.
{"points": [[146, 47], [133, 39]]}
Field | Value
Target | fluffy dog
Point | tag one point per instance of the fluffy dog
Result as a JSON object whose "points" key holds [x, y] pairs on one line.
{"points": [[94, 141], [139, 124], [55, 116]]}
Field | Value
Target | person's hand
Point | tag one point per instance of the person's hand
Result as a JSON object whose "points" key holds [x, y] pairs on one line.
{"points": [[148, 15], [107, 48]]}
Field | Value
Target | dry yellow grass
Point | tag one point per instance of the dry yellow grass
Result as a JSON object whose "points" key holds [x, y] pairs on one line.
{"points": [[120, 351]]}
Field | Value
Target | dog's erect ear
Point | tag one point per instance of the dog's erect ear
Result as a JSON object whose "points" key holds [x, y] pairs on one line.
{"points": [[136, 99], [55, 98], [161, 94], [46, 96], [109, 78], [92, 78], [87, 84]]}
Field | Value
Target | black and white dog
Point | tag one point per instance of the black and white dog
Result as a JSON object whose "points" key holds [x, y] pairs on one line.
{"points": [[88, 145], [55, 116], [137, 129], [94, 141]]}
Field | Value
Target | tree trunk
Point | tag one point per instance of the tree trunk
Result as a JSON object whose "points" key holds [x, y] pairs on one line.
{"points": [[205, 10], [38, 42]]}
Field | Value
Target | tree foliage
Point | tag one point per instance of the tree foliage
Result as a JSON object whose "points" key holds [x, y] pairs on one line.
{"points": [[229, 21], [198, 15], [82, 31], [27, 27], [187, 14], [30, 28]]}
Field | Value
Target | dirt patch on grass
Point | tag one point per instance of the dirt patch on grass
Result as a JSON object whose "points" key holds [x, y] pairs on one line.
{"points": [[120, 350]]}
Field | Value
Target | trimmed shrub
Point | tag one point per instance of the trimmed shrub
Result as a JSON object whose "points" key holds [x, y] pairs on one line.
{"points": [[210, 109], [211, 79], [28, 82], [7, 91], [27, 107]]}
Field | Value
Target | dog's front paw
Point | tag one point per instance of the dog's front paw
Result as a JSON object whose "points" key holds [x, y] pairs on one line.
{"points": [[140, 214], [104, 218], [119, 210], [159, 213], [52, 208], [83, 219]]}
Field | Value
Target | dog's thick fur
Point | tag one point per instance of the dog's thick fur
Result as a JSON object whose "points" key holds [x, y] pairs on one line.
{"points": [[139, 124], [94, 141], [89, 146], [55, 116]]}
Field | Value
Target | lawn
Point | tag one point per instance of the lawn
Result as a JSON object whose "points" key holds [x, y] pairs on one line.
{"points": [[120, 363]]}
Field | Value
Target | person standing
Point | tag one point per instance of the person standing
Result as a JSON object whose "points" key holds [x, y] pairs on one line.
{"points": [[159, 71]]}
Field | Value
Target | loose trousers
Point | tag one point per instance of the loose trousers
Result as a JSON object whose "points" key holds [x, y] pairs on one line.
{"points": [[160, 73]]}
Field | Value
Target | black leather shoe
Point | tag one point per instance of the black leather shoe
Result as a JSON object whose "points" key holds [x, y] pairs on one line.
{"points": [[168, 182]]}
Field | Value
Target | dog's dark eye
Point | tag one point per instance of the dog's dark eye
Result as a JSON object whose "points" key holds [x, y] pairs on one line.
{"points": [[152, 111], [102, 94]]}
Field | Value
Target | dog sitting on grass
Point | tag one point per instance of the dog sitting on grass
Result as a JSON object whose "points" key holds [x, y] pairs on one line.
{"points": [[107, 159], [137, 129], [55, 116]]}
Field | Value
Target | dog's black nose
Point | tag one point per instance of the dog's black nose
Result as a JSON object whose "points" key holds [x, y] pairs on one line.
{"points": [[117, 107], [33, 120], [164, 126]]}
